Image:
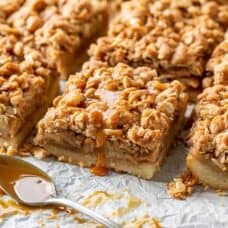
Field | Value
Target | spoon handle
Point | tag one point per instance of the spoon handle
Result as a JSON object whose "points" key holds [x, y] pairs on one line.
{"points": [[76, 206]]}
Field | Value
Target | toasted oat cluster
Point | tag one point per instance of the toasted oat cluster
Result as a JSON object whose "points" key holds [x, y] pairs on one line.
{"points": [[59, 29], [8, 7], [183, 186], [115, 103], [209, 135], [64, 36], [31, 15], [172, 36], [114, 8], [217, 66], [24, 77]]}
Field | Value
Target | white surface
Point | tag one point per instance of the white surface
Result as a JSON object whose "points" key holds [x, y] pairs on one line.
{"points": [[202, 209]]}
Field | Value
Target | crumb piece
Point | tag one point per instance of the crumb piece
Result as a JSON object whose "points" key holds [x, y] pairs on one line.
{"points": [[182, 186], [39, 152], [11, 151], [61, 158], [156, 223]]}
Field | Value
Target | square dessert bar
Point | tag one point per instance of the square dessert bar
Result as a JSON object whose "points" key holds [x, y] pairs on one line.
{"points": [[65, 37], [175, 37], [61, 30], [217, 66], [208, 140], [118, 117], [27, 86]]}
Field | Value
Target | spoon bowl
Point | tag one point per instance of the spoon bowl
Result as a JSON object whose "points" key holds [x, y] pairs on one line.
{"points": [[31, 186]]}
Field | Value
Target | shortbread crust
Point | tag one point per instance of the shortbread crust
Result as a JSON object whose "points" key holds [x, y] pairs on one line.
{"points": [[120, 115]]}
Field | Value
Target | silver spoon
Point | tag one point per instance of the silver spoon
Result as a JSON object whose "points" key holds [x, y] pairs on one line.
{"points": [[30, 186]]}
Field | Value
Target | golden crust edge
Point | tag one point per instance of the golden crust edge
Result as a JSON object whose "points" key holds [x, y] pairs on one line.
{"points": [[207, 172]]}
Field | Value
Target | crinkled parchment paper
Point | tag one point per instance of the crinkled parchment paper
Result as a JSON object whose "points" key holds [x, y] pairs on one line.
{"points": [[126, 199]]}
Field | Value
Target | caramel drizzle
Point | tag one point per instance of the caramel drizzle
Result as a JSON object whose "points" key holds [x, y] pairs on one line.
{"points": [[99, 169], [110, 98]]}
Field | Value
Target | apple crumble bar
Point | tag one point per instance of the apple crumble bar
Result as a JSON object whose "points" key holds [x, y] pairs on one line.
{"points": [[65, 37], [208, 141], [174, 37], [27, 86], [61, 29], [114, 117]]}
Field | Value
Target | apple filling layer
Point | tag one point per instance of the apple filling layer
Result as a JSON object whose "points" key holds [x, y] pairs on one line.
{"points": [[114, 117]]}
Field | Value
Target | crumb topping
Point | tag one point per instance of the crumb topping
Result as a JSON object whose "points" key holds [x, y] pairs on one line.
{"points": [[114, 8], [32, 14], [24, 77], [69, 30], [57, 28], [169, 35], [217, 66], [209, 135], [8, 7], [119, 103]]}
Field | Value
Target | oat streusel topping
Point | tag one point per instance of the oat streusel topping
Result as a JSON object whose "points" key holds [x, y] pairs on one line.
{"points": [[7, 7], [24, 80], [209, 135], [32, 15], [72, 28], [57, 28], [172, 36], [217, 66], [124, 103]]}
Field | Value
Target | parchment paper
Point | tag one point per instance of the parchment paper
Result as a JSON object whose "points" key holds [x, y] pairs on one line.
{"points": [[202, 209]]}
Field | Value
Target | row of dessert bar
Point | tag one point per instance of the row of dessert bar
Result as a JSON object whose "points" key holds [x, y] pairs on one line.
{"points": [[174, 37], [40, 40], [125, 107], [115, 113]]}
